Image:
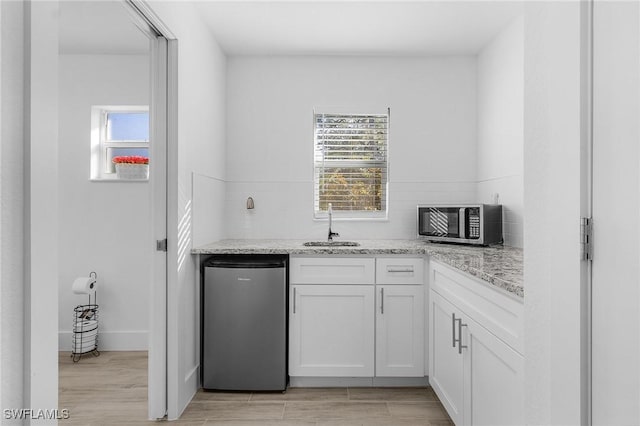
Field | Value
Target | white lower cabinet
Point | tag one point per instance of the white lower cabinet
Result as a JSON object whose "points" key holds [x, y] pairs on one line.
{"points": [[337, 329], [400, 331], [494, 378], [331, 330], [445, 363], [477, 376]]}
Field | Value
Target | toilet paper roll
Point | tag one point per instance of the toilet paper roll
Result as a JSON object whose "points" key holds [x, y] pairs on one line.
{"points": [[84, 285]]}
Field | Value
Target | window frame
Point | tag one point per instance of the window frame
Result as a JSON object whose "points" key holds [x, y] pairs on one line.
{"points": [[100, 145], [353, 215]]}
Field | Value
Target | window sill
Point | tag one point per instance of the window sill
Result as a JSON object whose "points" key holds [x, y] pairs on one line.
{"points": [[352, 219]]}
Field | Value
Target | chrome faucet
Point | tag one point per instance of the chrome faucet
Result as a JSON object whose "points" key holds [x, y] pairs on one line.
{"points": [[331, 234]]}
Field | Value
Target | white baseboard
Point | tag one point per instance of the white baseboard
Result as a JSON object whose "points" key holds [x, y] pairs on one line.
{"points": [[363, 382], [111, 340]]}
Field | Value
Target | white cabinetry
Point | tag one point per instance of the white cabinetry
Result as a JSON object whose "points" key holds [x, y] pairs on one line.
{"points": [[494, 379], [332, 270], [399, 317], [400, 270], [331, 332], [340, 320], [445, 364], [475, 343], [331, 316]]}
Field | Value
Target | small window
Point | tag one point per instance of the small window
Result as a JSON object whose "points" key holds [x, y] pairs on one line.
{"points": [[117, 131], [351, 164]]}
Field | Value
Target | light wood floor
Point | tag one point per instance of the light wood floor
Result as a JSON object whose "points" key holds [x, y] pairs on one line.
{"points": [[112, 390]]}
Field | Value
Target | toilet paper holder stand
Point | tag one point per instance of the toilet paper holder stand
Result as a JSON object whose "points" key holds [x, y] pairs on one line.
{"points": [[85, 327]]}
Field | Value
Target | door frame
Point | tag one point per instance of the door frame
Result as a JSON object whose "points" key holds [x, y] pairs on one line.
{"points": [[41, 197], [614, 323], [164, 169], [586, 207]]}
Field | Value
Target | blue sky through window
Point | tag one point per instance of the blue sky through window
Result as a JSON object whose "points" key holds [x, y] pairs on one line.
{"points": [[128, 126]]}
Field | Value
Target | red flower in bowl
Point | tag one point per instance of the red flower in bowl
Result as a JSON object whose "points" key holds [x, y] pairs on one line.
{"points": [[131, 159]]}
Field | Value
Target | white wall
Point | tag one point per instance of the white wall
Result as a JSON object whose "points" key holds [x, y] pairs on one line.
{"points": [[12, 323], [104, 226], [432, 141], [501, 128], [553, 200], [197, 196]]}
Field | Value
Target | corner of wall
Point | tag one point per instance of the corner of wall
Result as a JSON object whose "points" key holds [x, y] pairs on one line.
{"points": [[500, 134]]}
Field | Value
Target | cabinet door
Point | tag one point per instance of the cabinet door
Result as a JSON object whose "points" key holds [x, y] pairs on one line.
{"points": [[331, 330], [494, 379], [445, 363], [399, 331]]}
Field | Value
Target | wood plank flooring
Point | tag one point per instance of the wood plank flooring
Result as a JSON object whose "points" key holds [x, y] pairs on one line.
{"points": [[112, 390]]}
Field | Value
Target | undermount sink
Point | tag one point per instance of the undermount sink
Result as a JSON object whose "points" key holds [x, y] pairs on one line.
{"points": [[331, 244]]}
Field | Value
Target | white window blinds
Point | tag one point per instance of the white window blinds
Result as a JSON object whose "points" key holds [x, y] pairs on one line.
{"points": [[351, 164]]}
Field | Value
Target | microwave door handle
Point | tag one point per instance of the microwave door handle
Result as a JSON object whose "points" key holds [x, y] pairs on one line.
{"points": [[461, 223]]}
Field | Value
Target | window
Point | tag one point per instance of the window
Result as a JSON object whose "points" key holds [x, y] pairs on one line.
{"points": [[351, 164], [117, 131]]}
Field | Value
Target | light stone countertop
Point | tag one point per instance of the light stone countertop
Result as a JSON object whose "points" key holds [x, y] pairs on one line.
{"points": [[499, 266]]}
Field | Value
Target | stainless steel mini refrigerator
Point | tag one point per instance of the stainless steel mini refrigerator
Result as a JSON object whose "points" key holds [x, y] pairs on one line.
{"points": [[244, 323]]}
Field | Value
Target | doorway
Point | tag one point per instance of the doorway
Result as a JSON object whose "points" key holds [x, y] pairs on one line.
{"points": [[113, 64]]}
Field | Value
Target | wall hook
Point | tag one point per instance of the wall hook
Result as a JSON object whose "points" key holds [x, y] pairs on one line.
{"points": [[250, 204]]}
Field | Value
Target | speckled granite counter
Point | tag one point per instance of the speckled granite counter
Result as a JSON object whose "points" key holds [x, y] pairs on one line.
{"points": [[497, 265]]}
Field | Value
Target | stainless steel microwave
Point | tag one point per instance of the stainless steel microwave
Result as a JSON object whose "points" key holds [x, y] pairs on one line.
{"points": [[479, 224]]}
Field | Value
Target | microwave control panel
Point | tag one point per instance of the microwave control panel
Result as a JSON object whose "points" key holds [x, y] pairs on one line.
{"points": [[474, 223]]}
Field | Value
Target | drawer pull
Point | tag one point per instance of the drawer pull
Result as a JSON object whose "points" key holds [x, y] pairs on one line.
{"points": [[453, 328], [453, 332], [294, 300], [392, 270], [382, 300]]}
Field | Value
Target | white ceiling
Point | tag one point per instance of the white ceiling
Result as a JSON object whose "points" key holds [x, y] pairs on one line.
{"points": [[303, 27], [424, 27]]}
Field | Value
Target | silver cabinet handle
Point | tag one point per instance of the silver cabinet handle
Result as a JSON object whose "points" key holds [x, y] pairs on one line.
{"points": [[460, 345], [453, 328], [294, 300], [392, 270], [382, 300], [453, 331]]}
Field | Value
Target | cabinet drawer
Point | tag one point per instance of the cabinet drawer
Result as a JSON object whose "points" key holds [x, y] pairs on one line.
{"points": [[499, 313], [332, 270], [399, 270]]}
